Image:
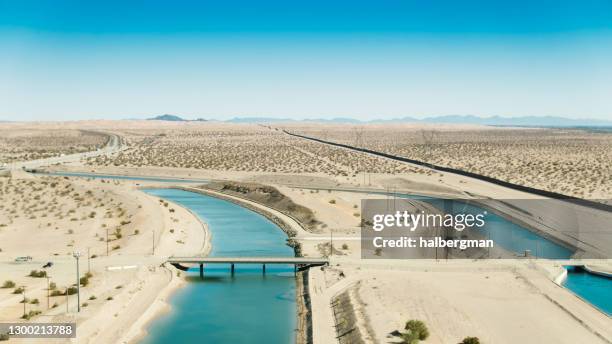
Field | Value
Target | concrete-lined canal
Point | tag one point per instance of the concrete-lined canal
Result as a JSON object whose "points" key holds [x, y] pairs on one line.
{"points": [[247, 308]]}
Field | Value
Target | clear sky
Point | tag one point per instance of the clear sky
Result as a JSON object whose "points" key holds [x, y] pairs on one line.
{"points": [[64, 60]]}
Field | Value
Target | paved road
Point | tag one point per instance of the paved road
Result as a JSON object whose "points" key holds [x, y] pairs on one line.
{"points": [[114, 145]]}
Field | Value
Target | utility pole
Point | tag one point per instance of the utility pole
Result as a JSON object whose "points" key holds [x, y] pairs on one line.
{"points": [[48, 291], [76, 256], [24, 301], [331, 242]]}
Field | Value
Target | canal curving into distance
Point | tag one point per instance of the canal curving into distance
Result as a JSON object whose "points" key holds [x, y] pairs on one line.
{"points": [[249, 307], [508, 235], [505, 233]]}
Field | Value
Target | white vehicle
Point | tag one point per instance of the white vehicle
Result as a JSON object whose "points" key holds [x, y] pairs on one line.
{"points": [[23, 259]]}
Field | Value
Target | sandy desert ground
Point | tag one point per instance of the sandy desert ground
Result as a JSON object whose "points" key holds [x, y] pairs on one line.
{"points": [[569, 161], [48, 218], [245, 147], [32, 143]]}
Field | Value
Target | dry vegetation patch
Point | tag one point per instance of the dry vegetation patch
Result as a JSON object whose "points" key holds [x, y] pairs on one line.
{"points": [[32, 144], [270, 197], [232, 147], [569, 161], [51, 214]]}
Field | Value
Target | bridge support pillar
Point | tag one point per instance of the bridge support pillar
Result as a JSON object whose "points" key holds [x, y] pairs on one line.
{"points": [[232, 269], [264, 269], [202, 271]]}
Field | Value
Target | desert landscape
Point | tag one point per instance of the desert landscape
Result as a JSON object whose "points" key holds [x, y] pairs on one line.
{"points": [[38, 143], [306, 172], [573, 162], [313, 191], [247, 147]]}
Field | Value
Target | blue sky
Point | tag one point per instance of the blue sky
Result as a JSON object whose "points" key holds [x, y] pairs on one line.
{"points": [[64, 60]]}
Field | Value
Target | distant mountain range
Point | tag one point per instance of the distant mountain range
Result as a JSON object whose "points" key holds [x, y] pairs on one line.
{"points": [[525, 121], [173, 118]]}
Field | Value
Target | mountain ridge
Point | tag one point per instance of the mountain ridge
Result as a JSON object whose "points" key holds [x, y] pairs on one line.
{"points": [[525, 121]]}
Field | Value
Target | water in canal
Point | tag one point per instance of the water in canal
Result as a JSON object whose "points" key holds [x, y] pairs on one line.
{"points": [[593, 288], [247, 308], [506, 234]]}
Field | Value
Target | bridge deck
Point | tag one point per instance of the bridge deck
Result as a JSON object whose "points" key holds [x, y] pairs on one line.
{"points": [[249, 260]]}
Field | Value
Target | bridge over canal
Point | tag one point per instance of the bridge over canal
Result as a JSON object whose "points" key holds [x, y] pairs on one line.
{"points": [[297, 262]]}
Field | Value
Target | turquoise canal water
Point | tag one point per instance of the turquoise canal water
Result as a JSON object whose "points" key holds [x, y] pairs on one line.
{"points": [[593, 288], [249, 307], [506, 234]]}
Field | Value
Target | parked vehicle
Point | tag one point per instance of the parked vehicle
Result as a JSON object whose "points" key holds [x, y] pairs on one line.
{"points": [[23, 259]]}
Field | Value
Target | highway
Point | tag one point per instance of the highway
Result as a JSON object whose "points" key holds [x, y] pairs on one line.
{"points": [[113, 145]]}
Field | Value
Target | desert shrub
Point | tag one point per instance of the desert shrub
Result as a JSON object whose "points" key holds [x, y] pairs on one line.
{"points": [[84, 281], [30, 315], [109, 298], [18, 290], [4, 337], [56, 293], [417, 330], [34, 301], [92, 297], [470, 340], [8, 284], [332, 201], [38, 273], [344, 246], [71, 290], [52, 286]]}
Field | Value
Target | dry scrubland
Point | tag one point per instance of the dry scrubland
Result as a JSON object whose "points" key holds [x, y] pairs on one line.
{"points": [[48, 218], [572, 162], [22, 144], [49, 215], [251, 148]]}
